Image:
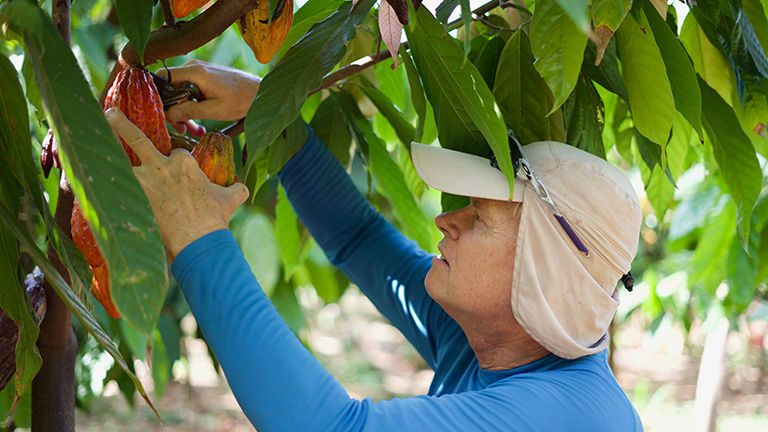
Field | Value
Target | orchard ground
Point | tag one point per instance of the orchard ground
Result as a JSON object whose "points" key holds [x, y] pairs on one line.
{"points": [[371, 359]]}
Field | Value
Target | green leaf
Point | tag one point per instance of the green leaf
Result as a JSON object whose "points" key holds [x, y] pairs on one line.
{"points": [[707, 266], [135, 17], [417, 94], [578, 10], [659, 189], [609, 13], [584, 112], [465, 110], [287, 234], [403, 128], [753, 44], [607, 74], [734, 154], [708, 61], [161, 366], [256, 236], [269, 162], [523, 96], [287, 305], [445, 9], [650, 94], [558, 45], [99, 172], [756, 15], [330, 125], [70, 299], [485, 55], [682, 76], [466, 18], [284, 88]]}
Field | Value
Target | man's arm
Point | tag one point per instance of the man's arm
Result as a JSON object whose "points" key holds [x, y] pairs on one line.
{"points": [[281, 387], [387, 267]]}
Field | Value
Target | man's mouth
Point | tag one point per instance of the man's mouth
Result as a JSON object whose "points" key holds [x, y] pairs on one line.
{"points": [[440, 257]]}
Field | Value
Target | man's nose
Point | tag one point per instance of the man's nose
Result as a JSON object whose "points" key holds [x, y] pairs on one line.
{"points": [[452, 223]]}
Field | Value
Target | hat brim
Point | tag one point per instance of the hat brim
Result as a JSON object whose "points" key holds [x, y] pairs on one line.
{"points": [[462, 174]]}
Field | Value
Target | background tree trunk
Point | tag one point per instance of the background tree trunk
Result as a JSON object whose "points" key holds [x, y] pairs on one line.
{"points": [[53, 389]]}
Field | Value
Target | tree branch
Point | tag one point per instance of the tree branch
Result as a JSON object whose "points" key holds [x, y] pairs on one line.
{"points": [[183, 36]]}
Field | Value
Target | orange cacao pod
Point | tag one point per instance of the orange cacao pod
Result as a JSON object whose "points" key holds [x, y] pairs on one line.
{"points": [[214, 155], [134, 93], [84, 240], [266, 38], [182, 8]]}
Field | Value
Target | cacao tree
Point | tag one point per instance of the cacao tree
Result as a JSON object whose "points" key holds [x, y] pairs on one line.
{"points": [[680, 103]]}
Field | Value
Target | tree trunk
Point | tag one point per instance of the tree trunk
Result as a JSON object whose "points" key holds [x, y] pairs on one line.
{"points": [[709, 385]]}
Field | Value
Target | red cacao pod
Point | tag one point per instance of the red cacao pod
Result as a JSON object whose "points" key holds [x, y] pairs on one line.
{"points": [[134, 93], [214, 155], [182, 8], [84, 240], [265, 38], [9, 332]]}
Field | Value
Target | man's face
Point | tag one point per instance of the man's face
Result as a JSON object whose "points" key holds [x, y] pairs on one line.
{"points": [[473, 278]]}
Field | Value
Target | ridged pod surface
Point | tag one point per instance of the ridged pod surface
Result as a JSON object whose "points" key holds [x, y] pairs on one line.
{"points": [[182, 8], [214, 155], [265, 39], [9, 332], [84, 240], [134, 93]]}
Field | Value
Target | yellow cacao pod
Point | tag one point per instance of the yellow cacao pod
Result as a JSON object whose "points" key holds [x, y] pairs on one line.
{"points": [[266, 38], [214, 155]]}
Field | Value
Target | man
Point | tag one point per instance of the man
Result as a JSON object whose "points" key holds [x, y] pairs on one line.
{"points": [[512, 317]]}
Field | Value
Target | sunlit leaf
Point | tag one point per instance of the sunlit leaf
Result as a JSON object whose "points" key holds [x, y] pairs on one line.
{"points": [[558, 45], [578, 10], [650, 94], [135, 17]]}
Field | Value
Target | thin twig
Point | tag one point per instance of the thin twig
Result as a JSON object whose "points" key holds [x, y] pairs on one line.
{"points": [[516, 6]]}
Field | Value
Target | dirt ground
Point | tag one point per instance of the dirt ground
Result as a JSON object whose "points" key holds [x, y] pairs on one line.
{"points": [[371, 359]]}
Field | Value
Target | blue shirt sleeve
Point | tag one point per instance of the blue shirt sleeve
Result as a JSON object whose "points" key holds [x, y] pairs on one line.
{"points": [[281, 387], [387, 267]]}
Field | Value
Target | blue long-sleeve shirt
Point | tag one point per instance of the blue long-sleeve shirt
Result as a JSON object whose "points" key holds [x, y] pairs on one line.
{"points": [[281, 386]]}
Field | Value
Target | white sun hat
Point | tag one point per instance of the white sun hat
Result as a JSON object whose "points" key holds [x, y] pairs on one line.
{"points": [[577, 237]]}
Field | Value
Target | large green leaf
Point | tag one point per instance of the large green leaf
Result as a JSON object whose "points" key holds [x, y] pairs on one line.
{"points": [[287, 234], [609, 13], [100, 175], [682, 76], [659, 189], [752, 42], [330, 125], [417, 95], [756, 15], [485, 55], [271, 161], [578, 10], [523, 96], [707, 266], [708, 61], [650, 94], [584, 112], [257, 236], [284, 88], [734, 154], [463, 103], [70, 299], [135, 17], [558, 45]]}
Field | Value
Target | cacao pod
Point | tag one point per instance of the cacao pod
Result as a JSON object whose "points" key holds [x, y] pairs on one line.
{"points": [[9, 332], [135, 94], [265, 38], [214, 155], [49, 153], [84, 240], [182, 8]]}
